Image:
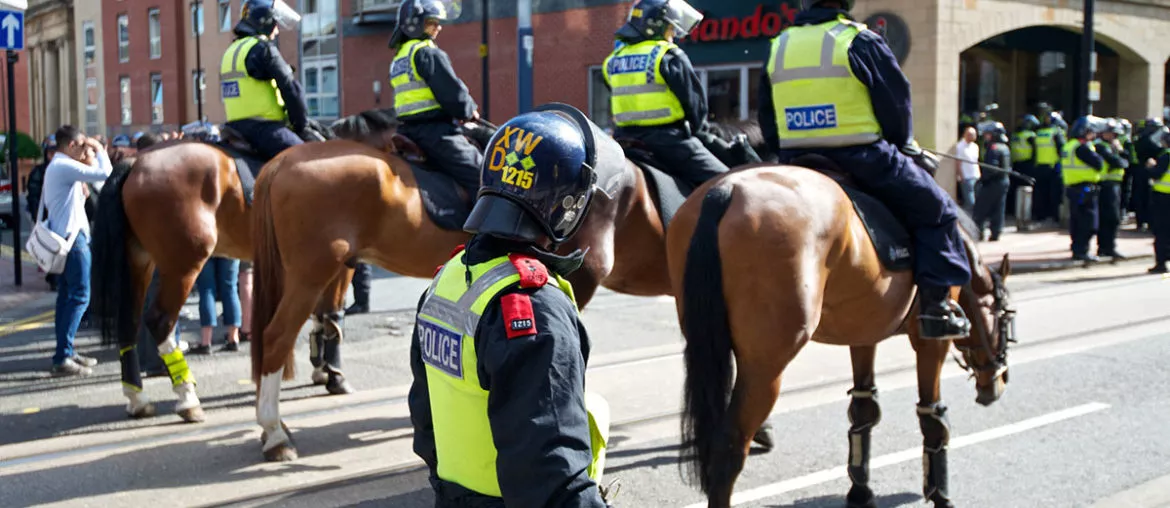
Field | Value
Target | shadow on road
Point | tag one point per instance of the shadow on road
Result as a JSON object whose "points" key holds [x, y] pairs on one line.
{"points": [[886, 501]]}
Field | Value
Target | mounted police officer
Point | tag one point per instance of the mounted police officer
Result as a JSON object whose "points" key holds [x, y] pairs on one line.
{"points": [[854, 108], [263, 100], [1081, 167], [499, 352], [657, 97], [429, 99], [991, 199], [1108, 146], [1048, 191], [1159, 202]]}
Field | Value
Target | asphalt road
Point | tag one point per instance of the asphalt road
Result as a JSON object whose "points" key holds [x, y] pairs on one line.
{"points": [[1082, 421]]}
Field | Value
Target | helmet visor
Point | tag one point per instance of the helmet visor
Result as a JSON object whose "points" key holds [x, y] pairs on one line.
{"points": [[443, 10], [284, 15], [684, 17]]}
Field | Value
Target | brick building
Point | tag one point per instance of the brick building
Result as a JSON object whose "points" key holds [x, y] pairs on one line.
{"points": [[958, 55], [145, 76]]}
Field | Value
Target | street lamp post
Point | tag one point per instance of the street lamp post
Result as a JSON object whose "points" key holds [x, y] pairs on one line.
{"points": [[198, 11], [524, 55], [1087, 44]]}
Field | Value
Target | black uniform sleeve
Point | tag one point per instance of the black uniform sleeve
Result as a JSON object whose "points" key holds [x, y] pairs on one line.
{"points": [[1161, 166], [536, 404], [434, 67], [1088, 156], [419, 401], [767, 112], [876, 67], [1059, 138], [681, 78], [265, 62], [1111, 157]]}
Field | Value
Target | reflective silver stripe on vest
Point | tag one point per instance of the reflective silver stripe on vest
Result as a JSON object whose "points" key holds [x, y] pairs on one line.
{"points": [[415, 106], [825, 70], [639, 89], [459, 314], [830, 141], [235, 65], [410, 86], [643, 115]]}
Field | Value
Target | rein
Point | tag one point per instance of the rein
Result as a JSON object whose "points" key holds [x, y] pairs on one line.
{"points": [[1005, 324]]}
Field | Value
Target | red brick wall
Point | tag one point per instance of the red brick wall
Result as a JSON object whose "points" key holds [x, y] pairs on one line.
{"points": [[175, 76], [567, 44]]}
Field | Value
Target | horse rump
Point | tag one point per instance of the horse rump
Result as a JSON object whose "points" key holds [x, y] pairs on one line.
{"points": [[707, 355]]}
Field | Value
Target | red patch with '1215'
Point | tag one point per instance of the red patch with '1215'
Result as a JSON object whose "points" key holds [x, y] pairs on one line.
{"points": [[519, 320]]}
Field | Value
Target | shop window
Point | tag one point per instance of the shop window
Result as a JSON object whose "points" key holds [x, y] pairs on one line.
{"points": [[724, 94]]}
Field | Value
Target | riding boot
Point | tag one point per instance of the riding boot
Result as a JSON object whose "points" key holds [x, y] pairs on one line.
{"points": [[940, 317]]}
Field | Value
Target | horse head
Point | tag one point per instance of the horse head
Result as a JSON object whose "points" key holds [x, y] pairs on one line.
{"points": [[988, 305]]}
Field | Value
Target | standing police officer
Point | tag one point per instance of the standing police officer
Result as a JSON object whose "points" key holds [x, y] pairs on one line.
{"points": [[657, 96], [853, 106], [499, 352], [1023, 151], [1112, 175], [1159, 202], [1080, 169], [1047, 196], [429, 99], [261, 96], [991, 200], [1147, 149]]}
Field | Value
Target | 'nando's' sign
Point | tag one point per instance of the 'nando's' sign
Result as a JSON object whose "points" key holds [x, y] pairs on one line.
{"points": [[759, 24]]}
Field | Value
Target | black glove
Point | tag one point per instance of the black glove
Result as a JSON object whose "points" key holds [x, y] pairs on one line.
{"points": [[313, 131], [922, 158]]}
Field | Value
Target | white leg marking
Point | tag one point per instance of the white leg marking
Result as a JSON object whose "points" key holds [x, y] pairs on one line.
{"points": [[138, 400], [268, 409]]}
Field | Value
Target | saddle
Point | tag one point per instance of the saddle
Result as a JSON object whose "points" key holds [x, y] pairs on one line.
{"points": [[248, 161], [447, 204], [889, 236], [668, 192]]}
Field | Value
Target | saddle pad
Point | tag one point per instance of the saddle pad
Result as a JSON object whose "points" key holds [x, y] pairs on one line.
{"points": [[669, 192], [248, 166], [890, 239], [441, 197]]}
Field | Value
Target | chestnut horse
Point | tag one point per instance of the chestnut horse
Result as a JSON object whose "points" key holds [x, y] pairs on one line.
{"points": [[179, 203], [767, 258], [319, 210]]}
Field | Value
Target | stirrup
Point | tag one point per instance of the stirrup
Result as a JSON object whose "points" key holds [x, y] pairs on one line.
{"points": [[950, 326], [610, 492]]}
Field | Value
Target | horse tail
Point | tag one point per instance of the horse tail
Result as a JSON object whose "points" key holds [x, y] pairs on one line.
{"points": [[268, 275], [708, 354], [113, 291]]}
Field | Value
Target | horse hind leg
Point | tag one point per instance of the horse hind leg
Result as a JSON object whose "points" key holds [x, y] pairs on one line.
{"points": [[326, 335], [864, 415], [278, 340]]}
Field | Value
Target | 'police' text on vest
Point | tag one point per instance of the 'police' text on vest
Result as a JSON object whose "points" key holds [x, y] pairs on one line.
{"points": [[811, 117], [441, 348], [629, 63]]}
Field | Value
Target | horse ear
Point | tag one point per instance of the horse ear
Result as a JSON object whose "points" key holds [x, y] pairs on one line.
{"points": [[1005, 267]]}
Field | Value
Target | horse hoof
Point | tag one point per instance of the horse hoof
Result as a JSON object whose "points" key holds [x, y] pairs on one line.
{"points": [[146, 411], [337, 385], [281, 453], [319, 377], [764, 438], [193, 415], [860, 496]]}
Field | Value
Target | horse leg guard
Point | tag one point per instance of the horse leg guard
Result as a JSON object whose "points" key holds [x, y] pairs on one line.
{"points": [[139, 405], [336, 383], [316, 352], [864, 414], [936, 435], [183, 382]]}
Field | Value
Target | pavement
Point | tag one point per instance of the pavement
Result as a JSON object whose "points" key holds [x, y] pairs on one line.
{"points": [[1081, 423]]}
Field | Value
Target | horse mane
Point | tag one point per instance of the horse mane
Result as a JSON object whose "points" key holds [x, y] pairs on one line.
{"points": [[728, 128], [365, 124]]}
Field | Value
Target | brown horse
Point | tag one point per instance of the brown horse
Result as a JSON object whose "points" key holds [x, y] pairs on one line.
{"points": [[179, 203], [320, 209], [765, 259]]}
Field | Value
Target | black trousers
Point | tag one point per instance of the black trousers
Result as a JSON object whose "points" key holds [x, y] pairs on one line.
{"points": [[1160, 224], [680, 155], [1109, 213], [991, 203], [1082, 222], [361, 284], [448, 151]]}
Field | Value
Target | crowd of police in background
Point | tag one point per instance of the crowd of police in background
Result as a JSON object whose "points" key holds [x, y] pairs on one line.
{"points": [[1101, 172], [222, 279]]}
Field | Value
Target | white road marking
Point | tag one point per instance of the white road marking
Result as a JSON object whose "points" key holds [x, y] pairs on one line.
{"points": [[835, 473]]}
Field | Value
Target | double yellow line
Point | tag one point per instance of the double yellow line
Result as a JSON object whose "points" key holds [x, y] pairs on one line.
{"points": [[6, 252], [28, 323]]}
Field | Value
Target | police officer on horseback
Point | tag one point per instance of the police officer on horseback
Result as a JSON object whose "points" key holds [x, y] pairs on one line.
{"points": [[499, 352], [657, 97], [262, 98], [429, 99], [851, 103]]}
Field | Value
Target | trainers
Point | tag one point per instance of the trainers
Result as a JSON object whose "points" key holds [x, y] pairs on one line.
{"points": [[200, 350], [356, 309], [70, 368], [230, 347], [84, 361]]}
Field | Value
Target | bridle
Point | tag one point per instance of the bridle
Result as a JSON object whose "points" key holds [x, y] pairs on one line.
{"points": [[1005, 324]]}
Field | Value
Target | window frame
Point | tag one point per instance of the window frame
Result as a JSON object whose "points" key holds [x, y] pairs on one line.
{"points": [[198, 19], [318, 67], [224, 15], [123, 45], [88, 50], [126, 100], [154, 32], [157, 110]]}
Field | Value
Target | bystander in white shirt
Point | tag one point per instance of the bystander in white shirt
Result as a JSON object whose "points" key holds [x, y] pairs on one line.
{"points": [[63, 194], [968, 151]]}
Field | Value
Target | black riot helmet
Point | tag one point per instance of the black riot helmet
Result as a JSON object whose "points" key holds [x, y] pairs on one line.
{"points": [[261, 17], [413, 15]]}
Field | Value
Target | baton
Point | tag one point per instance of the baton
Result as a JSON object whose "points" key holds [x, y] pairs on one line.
{"points": [[1017, 175]]}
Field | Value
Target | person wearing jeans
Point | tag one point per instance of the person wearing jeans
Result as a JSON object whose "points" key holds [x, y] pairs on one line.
{"points": [[219, 277], [78, 161], [967, 150]]}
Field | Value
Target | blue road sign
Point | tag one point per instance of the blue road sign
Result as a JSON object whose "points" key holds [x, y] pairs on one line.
{"points": [[12, 30]]}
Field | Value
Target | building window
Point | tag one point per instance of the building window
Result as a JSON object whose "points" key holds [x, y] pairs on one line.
{"points": [[155, 33], [156, 99], [90, 49], [127, 116], [123, 38], [321, 95], [197, 18], [225, 15], [91, 104], [199, 83], [319, 29]]}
